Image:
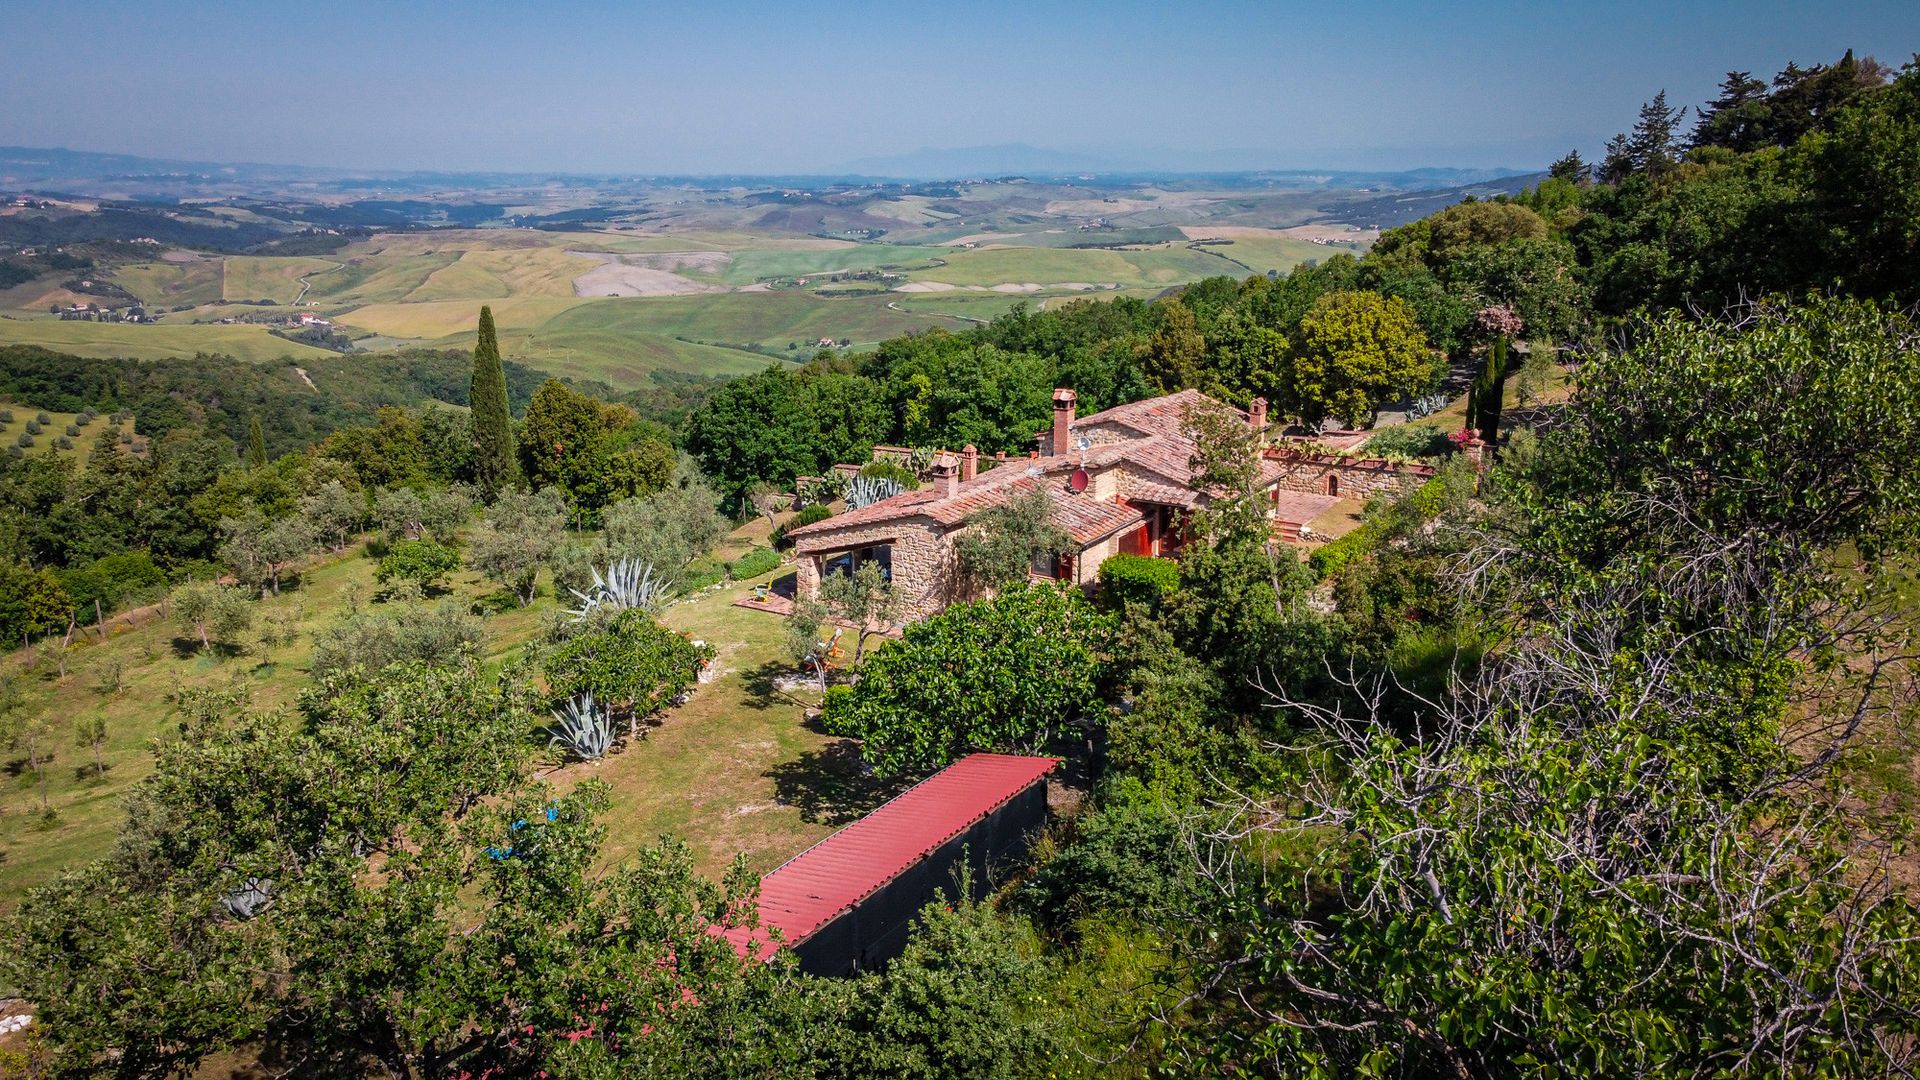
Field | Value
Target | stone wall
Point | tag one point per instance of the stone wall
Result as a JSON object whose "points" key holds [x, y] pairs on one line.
{"points": [[1349, 478], [922, 553]]}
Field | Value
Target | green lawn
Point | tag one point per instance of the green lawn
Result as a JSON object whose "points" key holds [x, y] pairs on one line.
{"points": [[734, 770]]}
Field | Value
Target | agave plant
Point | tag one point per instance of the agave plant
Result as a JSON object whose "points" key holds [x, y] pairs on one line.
{"points": [[583, 728], [628, 583], [249, 899], [1426, 406], [867, 490]]}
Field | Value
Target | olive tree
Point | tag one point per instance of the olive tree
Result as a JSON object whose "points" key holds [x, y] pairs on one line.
{"points": [[518, 535]]}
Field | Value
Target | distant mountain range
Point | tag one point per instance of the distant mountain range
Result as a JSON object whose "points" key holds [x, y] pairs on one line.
{"points": [[1021, 159], [83, 171]]}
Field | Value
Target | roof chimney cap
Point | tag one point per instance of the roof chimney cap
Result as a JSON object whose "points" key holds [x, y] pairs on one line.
{"points": [[1064, 395]]}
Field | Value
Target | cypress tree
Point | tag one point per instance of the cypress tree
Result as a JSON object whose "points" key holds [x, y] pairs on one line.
{"points": [[1485, 404], [256, 444], [493, 464]]}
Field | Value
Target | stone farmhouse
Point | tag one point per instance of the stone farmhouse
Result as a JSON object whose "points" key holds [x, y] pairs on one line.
{"points": [[1119, 481]]}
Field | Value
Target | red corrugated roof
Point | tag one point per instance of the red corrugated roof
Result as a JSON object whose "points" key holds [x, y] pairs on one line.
{"points": [[814, 887]]}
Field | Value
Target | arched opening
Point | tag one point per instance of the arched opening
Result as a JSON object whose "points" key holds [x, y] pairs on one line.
{"points": [[1333, 484]]}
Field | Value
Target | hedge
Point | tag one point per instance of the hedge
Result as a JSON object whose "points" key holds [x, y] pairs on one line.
{"points": [[755, 562], [1140, 579], [809, 514]]}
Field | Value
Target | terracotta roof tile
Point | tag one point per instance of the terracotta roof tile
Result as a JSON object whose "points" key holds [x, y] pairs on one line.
{"points": [[1162, 450]]}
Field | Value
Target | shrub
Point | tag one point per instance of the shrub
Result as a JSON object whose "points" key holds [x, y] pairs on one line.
{"points": [[112, 579], [42, 418], [887, 470], [1124, 857], [33, 427], [438, 636], [635, 664], [25, 440], [6, 416], [63, 443], [1139, 579], [72, 430], [755, 562], [420, 561], [966, 997], [808, 515], [1407, 441], [1333, 557], [701, 574], [999, 674]]}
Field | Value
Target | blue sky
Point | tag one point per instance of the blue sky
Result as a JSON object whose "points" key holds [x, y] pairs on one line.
{"points": [[749, 87]]}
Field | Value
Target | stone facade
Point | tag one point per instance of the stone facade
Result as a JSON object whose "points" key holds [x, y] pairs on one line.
{"points": [[919, 557], [1347, 478]]}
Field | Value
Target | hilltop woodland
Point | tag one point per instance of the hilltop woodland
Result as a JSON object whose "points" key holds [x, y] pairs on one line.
{"points": [[1569, 762]]}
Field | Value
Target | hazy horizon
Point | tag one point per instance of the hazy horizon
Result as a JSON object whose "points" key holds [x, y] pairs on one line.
{"points": [[759, 89]]}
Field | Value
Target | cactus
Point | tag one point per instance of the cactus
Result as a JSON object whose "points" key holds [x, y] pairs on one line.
{"points": [[867, 490], [583, 728], [627, 584]]}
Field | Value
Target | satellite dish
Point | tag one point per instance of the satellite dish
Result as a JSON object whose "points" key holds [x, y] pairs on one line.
{"points": [[1078, 481]]}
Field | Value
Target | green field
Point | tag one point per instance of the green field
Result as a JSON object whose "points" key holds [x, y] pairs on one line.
{"points": [[395, 289], [275, 278], [1048, 266], [167, 284], [1263, 253], [759, 265], [623, 340], [165, 341], [47, 442], [378, 279], [969, 305]]}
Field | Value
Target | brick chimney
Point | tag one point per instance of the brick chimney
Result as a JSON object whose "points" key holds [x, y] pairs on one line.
{"points": [[1063, 402], [1257, 414], [969, 463], [999, 457], [946, 475]]}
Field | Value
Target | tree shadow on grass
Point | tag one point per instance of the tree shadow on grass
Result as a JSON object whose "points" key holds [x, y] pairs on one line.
{"points": [[766, 686], [831, 786]]}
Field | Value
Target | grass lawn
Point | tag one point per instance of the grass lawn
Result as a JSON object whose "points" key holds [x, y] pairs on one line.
{"points": [[735, 770]]}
